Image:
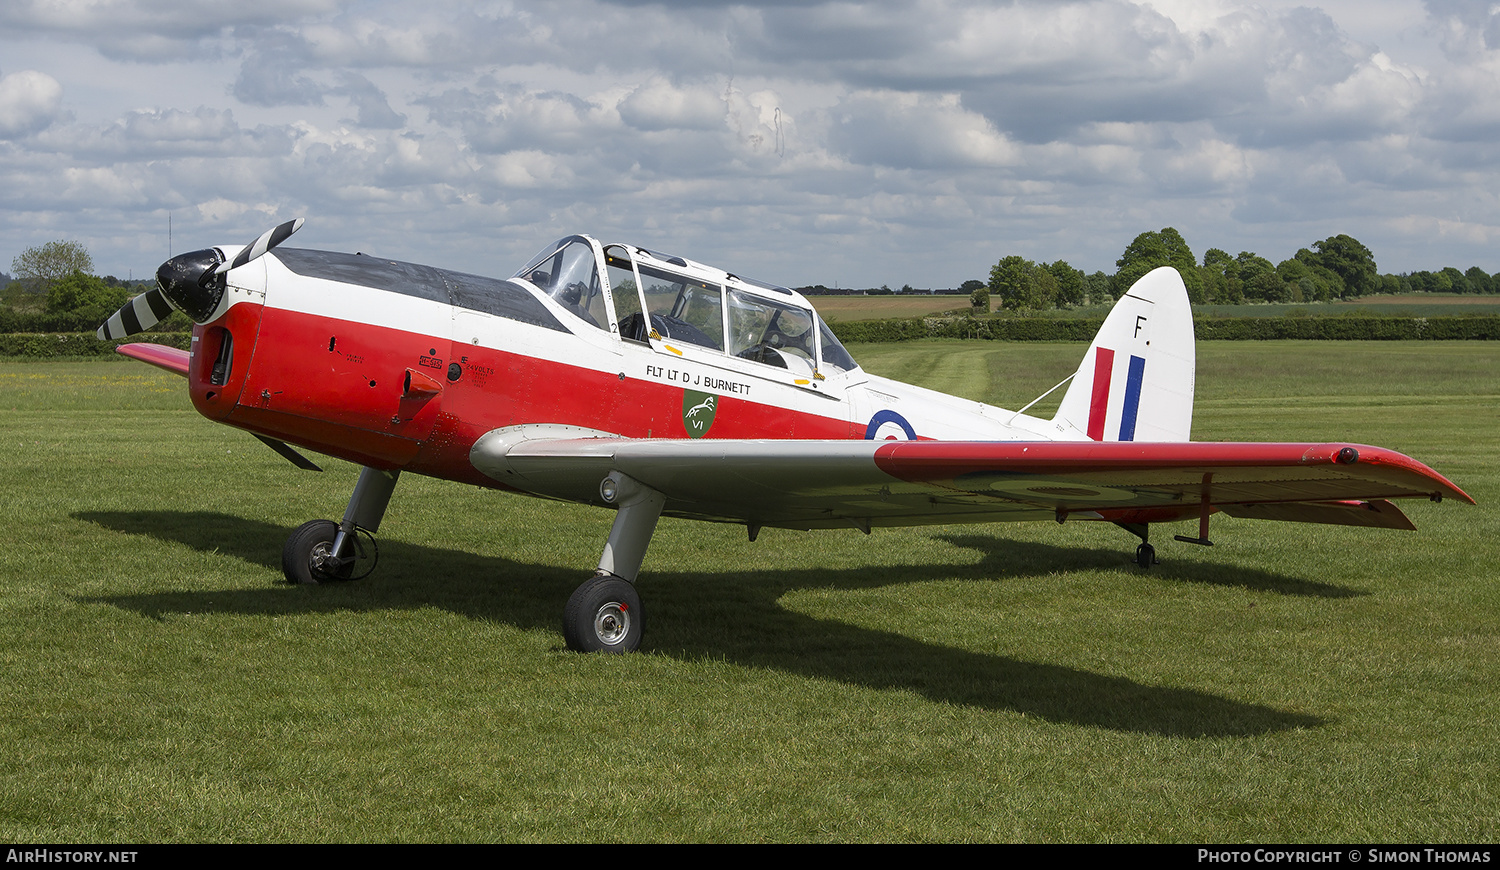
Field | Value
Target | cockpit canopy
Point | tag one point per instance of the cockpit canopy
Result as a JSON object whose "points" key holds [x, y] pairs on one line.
{"points": [[567, 271], [646, 296]]}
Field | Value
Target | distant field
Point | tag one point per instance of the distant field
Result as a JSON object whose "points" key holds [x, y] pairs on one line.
{"points": [[836, 308], [160, 683]]}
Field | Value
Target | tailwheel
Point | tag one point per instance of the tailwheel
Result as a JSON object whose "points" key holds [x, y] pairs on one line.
{"points": [[308, 556], [1145, 555], [604, 615]]}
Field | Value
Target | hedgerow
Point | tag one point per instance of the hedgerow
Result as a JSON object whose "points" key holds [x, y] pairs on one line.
{"points": [[72, 344]]}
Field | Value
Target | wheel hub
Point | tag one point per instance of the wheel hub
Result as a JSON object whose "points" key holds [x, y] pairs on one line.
{"points": [[612, 623]]}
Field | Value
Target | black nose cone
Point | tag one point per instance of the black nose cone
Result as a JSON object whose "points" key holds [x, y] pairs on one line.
{"points": [[189, 283]]}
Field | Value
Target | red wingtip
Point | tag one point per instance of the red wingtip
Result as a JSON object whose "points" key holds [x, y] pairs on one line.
{"points": [[163, 357]]}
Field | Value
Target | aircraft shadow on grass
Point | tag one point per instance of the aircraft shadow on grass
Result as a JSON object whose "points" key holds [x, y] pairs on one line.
{"points": [[1000, 552], [736, 616]]}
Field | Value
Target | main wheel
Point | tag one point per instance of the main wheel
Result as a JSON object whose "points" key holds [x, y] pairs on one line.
{"points": [[604, 615], [306, 556], [1145, 555]]}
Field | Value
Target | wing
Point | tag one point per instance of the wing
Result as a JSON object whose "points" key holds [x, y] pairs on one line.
{"points": [[163, 357], [833, 484]]}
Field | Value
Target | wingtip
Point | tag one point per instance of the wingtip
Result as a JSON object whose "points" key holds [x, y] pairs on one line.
{"points": [[172, 359], [1380, 456]]}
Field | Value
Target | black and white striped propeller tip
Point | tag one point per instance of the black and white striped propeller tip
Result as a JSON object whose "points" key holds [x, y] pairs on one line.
{"points": [[267, 240], [137, 315]]}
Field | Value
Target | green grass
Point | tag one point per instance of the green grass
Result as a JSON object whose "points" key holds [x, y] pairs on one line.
{"points": [[1292, 683]]}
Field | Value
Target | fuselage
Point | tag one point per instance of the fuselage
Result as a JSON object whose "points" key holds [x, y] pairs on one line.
{"points": [[399, 366]]}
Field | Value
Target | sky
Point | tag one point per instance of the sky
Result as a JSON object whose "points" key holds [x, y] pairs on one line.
{"points": [[851, 144]]}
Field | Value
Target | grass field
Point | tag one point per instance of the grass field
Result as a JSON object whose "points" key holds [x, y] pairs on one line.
{"points": [[1292, 683]]}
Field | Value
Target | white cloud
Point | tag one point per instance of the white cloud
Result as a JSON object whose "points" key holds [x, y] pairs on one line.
{"points": [[497, 118], [29, 101], [917, 131], [658, 104]]}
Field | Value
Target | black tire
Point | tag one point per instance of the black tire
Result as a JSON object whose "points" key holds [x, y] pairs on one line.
{"points": [[604, 615], [1145, 555], [302, 556]]}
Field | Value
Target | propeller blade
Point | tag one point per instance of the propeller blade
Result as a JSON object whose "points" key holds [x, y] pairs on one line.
{"points": [[137, 315], [268, 240]]}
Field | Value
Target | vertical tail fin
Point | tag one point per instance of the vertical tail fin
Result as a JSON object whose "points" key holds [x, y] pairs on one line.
{"points": [[1136, 381]]}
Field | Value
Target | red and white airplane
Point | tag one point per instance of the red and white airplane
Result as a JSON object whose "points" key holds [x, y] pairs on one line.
{"points": [[612, 375]]}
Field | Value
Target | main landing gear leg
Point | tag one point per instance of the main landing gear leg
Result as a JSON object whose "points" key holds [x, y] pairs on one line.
{"points": [[322, 550], [604, 614]]}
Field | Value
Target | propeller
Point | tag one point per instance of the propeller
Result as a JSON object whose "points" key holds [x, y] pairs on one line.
{"points": [[192, 283], [267, 240], [138, 315]]}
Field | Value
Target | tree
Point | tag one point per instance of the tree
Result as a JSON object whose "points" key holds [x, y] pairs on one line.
{"points": [[979, 299], [1072, 287], [1021, 285], [1098, 287], [1457, 280], [1221, 278], [1258, 277], [1152, 250], [1008, 279], [85, 296], [1479, 280], [1430, 282], [1296, 281], [1327, 283], [1351, 261], [41, 267], [1043, 292]]}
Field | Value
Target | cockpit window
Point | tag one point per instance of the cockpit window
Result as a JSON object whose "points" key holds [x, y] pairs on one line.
{"points": [[770, 332], [566, 271], [684, 309], [835, 357], [625, 290]]}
